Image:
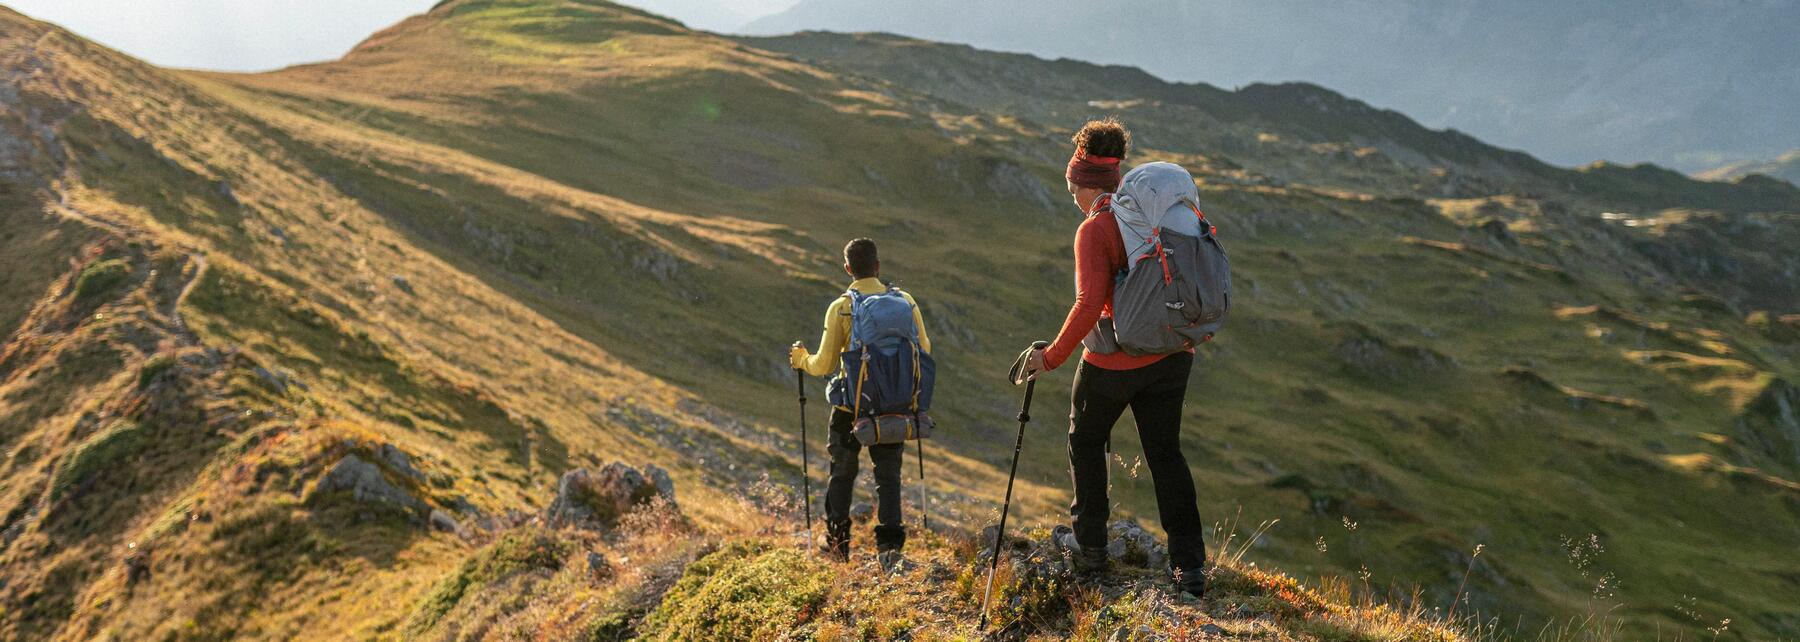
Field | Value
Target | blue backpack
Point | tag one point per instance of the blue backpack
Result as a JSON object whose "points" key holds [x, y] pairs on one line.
{"points": [[886, 380]]}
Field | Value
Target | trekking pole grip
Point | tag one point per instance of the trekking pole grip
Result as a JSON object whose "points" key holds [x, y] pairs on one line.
{"points": [[1030, 384]]}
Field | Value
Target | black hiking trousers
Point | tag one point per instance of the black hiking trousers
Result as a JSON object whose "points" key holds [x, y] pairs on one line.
{"points": [[1155, 394], [890, 533]]}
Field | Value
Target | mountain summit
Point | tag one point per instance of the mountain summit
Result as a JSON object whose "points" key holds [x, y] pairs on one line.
{"points": [[420, 343]]}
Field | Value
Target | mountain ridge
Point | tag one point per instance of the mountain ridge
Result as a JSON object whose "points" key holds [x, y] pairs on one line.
{"points": [[1573, 82], [1785, 167]]}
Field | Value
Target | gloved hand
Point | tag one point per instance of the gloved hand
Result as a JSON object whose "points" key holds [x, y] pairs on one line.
{"points": [[1029, 365], [797, 356]]}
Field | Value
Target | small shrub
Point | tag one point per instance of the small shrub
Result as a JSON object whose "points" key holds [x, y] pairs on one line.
{"points": [[100, 452], [610, 627], [100, 278], [745, 591], [515, 552], [154, 367]]}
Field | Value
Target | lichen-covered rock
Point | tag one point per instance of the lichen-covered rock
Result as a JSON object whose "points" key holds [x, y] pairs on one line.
{"points": [[1128, 543], [400, 462], [365, 482], [665, 485]]}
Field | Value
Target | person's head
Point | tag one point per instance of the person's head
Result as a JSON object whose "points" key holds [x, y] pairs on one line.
{"points": [[1100, 147], [860, 260]]}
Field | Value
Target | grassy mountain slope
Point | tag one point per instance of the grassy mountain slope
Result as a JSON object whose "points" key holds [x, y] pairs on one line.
{"points": [[513, 237]]}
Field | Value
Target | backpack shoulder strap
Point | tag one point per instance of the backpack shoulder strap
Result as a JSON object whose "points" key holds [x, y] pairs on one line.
{"points": [[851, 297], [1102, 204]]}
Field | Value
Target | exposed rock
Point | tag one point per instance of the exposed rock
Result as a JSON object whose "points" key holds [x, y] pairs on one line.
{"points": [[400, 462], [1212, 630], [589, 499], [365, 483], [1014, 546], [665, 485], [403, 284], [442, 521], [1128, 543], [1064, 537], [1769, 426], [1014, 183], [275, 381], [598, 566], [1368, 353], [1497, 230], [861, 512], [1139, 633]]}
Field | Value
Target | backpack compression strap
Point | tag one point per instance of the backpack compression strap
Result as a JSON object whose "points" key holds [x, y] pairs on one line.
{"points": [[1211, 230], [1104, 204]]}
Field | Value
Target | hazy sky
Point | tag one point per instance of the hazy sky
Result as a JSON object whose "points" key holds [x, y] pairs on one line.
{"points": [[255, 35]]}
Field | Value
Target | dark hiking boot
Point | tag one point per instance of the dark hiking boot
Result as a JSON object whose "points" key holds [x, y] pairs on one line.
{"points": [[1090, 563], [1192, 582], [1087, 563], [892, 561]]}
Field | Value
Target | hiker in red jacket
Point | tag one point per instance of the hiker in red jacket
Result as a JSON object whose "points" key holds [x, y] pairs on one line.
{"points": [[1153, 386]]}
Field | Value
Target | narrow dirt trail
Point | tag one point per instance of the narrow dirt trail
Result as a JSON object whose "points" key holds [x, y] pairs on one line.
{"points": [[198, 259]]}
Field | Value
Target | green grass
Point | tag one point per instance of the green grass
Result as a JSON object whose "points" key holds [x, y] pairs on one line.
{"points": [[154, 368], [515, 552], [111, 447], [748, 590], [101, 278]]}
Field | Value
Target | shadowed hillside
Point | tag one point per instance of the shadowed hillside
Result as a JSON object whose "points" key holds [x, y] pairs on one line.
{"points": [[308, 354]]}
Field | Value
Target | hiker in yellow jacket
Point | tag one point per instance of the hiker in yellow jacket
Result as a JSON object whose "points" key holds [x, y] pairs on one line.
{"points": [[863, 265]]}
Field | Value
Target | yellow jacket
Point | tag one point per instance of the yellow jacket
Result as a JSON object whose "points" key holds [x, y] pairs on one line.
{"points": [[837, 332]]}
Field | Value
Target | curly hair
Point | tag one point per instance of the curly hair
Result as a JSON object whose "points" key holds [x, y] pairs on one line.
{"points": [[1107, 137]]}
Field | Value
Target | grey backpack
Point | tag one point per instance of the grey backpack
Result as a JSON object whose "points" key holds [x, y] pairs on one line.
{"points": [[1176, 287]]}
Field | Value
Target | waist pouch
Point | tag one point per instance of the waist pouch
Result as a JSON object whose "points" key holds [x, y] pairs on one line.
{"points": [[892, 429]]}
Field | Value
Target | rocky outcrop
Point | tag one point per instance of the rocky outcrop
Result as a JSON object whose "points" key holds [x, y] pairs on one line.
{"points": [[1127, 544], [398, 461], [1369, 354], [364, 482], [598, 499], [1769, 426]]}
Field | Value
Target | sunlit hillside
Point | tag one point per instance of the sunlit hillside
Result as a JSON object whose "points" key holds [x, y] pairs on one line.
{"points": [[304, 354]]}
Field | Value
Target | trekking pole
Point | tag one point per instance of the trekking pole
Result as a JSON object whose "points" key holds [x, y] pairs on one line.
{"points": [[805, 468], [924, 510], [1018, 373]]}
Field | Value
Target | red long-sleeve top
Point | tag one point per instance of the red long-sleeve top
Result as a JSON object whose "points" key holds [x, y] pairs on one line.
{"points": [[1099, 257]]}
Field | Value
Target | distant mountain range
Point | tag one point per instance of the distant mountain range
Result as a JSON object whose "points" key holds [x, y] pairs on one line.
{"points": [[1785, 167], [1690, 84]]}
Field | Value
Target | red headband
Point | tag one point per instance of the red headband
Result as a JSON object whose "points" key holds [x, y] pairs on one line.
{"points": [[1096, 172]]}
